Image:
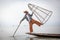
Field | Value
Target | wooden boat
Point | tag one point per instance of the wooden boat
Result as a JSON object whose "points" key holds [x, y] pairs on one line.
{"points": [[45, 35]]}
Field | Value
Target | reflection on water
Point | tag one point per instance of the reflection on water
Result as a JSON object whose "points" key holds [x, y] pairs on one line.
{"points": [[28, 38]]}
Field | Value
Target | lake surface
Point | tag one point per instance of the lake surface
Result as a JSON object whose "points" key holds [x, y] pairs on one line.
{"points": [[24, 37]]}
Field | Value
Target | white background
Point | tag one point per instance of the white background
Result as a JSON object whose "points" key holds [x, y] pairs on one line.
{"points": [[11, 12]]}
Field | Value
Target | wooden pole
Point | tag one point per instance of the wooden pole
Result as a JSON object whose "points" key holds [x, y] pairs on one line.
{"points": [[16, 29]]}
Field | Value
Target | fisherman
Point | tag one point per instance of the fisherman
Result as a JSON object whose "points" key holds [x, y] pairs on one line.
{"points": [[31, 21]]}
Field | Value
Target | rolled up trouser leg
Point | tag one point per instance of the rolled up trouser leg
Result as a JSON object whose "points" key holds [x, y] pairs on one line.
{"points": [[30, 24], [33, 22]]}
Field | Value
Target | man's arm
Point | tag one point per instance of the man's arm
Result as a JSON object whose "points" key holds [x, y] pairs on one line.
{"points": [[22, 19]]}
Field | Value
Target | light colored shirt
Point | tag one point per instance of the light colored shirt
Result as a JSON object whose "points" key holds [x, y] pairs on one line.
{"points": [[28, 17]]}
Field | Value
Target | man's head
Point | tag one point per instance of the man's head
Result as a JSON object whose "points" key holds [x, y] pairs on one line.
{"points": [[26, 12]]}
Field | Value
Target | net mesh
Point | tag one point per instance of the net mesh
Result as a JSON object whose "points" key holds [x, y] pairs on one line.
{"points": [[42, 14]]}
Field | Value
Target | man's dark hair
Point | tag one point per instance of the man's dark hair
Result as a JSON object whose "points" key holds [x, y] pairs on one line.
{"points": [[25, 11]]}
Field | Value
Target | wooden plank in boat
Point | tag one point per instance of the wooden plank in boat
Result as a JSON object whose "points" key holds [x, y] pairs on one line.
{"points": [[45, 35]]}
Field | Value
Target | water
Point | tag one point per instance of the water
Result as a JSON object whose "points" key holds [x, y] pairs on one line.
{"points": [[24, 37]]}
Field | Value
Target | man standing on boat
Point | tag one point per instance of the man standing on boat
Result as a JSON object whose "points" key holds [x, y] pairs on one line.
{"points": [[31, 21]]}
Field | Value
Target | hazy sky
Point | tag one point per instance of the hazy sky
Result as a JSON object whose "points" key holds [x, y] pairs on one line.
{"points": [[11, 12]]}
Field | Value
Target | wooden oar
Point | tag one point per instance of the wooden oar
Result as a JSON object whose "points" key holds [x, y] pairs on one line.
{"points": [[16, 29]]}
